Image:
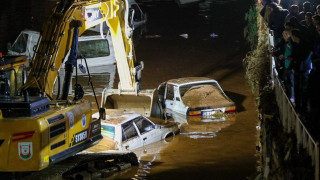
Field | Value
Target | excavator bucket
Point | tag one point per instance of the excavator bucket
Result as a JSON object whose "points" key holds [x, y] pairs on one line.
{"points": [[144, 102]]}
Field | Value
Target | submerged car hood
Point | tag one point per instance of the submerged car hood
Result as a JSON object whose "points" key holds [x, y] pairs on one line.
{"points": [[205, 96]]}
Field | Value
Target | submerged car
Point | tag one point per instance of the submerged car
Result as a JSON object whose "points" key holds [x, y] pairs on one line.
{"points": [[129, 131], [195, 96]]}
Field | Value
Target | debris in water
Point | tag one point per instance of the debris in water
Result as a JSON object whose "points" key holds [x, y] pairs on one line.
{"points": [[200, 135], [152, 36], [184, 36], [213, 35]]}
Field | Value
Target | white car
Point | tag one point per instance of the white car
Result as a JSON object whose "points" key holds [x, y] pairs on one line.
{"points": [[131, 130], [195, 96]]}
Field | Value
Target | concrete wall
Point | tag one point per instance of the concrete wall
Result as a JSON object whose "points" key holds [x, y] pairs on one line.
{"points": [[16, 15]]}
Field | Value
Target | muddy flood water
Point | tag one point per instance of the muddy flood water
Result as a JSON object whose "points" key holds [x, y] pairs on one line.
{"points": [[204, 39]]}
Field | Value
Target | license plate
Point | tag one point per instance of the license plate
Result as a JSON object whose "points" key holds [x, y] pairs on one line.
{"points": [[207, 113]]}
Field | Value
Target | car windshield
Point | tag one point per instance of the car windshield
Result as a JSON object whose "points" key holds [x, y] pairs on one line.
{"points": [[143, 124], [128, 131], [20, 44], [107, 131], [184, 88], [94, 48]]}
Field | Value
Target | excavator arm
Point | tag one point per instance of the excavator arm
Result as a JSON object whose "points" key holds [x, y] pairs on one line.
{"points": [[56, 40]]}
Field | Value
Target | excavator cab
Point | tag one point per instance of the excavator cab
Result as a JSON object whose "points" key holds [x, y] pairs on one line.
{"points": [[12, 75]]}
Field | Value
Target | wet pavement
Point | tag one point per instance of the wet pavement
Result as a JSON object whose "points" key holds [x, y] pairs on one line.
{"points": [[204, 39]]}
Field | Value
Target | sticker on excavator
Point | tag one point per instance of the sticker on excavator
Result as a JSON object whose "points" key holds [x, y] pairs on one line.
{"points": [[71, 119], [25, 150], [95, 128], [46, 158], [84, 120], [80, 137], [93, 15]]}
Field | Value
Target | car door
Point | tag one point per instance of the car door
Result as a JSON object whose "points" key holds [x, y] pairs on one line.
{"points": [[178, 104], [169, 98], [148, 132], [130, 137], [161, 93]]}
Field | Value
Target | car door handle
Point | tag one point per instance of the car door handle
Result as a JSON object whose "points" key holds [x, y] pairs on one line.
{"points": [[171, 103], [127, 147], [144, 139]]}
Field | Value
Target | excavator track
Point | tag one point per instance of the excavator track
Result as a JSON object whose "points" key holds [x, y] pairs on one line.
{"points": [[85, 165]]}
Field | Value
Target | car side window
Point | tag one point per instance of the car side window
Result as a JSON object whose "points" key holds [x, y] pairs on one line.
{"points": [[170, 92], [128, 131], [143, 124], [162, 89]]}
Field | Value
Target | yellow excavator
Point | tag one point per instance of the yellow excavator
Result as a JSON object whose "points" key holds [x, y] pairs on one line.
{"points": [[39, 128]]}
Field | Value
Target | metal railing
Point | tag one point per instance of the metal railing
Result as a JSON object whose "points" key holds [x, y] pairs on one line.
{"points": [[288, 116]]}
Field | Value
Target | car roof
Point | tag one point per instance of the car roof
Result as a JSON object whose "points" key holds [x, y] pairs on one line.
{"points": [[27, 31], [117, 117], [188, 80]]}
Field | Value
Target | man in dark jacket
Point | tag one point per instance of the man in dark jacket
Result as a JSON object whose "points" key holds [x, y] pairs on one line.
{"points": [[300, 53], [277, 20]]}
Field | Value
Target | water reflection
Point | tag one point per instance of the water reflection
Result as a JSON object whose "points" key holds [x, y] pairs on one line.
{"points": [[201, 127], [148, 156]]}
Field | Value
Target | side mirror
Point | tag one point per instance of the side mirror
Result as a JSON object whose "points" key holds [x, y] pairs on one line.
{"points": [[9, 46]]}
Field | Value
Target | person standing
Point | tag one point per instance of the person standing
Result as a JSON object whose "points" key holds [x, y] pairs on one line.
{"points": [[293, 12], [300, 53], [306, 8], [277, 20], [288, 71]]}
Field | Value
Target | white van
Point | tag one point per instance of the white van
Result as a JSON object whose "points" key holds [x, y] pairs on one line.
{"points": [[24, 44], [98, 51]]}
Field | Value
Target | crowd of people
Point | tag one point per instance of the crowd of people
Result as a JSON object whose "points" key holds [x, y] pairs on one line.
{"points": [[296, 28]]}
